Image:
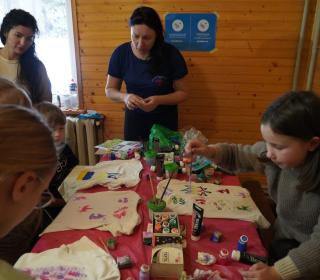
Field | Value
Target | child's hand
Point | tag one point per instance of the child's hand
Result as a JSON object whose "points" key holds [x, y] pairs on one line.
{"points": [[260, 271], [196, 147]]}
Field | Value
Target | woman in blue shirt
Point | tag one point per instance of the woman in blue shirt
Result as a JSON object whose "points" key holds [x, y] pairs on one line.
{"points": [[154, 73]]}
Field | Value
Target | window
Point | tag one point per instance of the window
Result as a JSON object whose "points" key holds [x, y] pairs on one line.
{"points": [[55, 44]]}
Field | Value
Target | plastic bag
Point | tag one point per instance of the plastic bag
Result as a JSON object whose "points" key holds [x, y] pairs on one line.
{"points": [[167, 138]]}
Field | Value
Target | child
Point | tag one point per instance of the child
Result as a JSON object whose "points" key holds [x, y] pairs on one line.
{"points": [[290, 159], [21, 238], [10, 94], [28, 162], [66, 159]]}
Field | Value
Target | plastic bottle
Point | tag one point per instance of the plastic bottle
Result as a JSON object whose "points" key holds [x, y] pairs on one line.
{"points": [[247, 258], [223, 257], [73, 87], [144, 273], [73, 97]]}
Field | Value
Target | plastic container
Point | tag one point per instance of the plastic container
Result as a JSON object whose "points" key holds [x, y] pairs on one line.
{"points": [[223, 257], [144, 273], [155, 206], [171, 170], [150, 157]]}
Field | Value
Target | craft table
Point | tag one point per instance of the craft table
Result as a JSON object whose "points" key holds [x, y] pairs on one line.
{"points": [[133, 245]]}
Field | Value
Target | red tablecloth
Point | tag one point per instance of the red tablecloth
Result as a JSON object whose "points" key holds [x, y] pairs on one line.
{"points": [[133, 245]]}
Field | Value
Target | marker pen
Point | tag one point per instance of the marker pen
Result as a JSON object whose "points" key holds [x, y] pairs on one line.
{"points": [[247, 258]]}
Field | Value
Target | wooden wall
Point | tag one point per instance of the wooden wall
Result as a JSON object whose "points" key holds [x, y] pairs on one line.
{"points": [[228, 88]]}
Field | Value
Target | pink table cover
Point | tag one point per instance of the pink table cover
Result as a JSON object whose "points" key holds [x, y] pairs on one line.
{"points": [[141, 254]]}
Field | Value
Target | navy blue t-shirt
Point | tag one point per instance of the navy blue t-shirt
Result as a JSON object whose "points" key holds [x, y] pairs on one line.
{"points": [[139, 80]]}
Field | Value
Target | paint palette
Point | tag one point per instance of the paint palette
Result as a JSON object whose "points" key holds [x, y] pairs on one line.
{"points": [[165, 224]]}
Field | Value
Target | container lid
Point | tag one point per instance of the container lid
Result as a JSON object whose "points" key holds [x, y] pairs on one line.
{"points": [[195, 238], [171, 167], [244, 238], [145, 268], [150, 154], [235, 255]]}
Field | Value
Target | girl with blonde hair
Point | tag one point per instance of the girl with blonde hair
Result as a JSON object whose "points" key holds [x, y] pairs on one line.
{"points": [[28, 162]]}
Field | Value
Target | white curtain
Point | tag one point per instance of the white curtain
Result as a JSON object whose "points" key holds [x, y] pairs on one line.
{"points": [[55, 44]]}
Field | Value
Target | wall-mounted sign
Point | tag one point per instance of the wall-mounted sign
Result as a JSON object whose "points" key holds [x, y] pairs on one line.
{"points": [[191, 32]]}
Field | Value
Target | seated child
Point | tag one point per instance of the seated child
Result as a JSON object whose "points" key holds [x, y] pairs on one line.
{"points": [[11, 94], [66, 159], [28, 161], [21, 238]]}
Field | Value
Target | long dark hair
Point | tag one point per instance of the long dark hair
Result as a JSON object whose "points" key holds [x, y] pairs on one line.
{"points": [[148, 16], [28, 62], [297, 114]]}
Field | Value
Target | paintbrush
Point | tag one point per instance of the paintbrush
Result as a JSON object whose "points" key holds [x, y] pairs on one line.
{"points": [[190, 170], [165, 189]]}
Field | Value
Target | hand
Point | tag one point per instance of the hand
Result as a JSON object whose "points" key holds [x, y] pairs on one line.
{"points": [[150, 103], [196, 147], [133, 101], [260, 271]]}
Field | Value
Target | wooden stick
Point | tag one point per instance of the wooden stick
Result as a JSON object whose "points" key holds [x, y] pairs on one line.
{"points": [[151, 184]]}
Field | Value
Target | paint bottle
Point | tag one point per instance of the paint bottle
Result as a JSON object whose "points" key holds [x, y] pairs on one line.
{"points": [[159, 166], [242, 243], [223, 257], [197, 216], [144, 273], [156, 145], [247, 258]]}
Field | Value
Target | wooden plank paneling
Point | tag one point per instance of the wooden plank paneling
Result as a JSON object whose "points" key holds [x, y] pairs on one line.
{"points": [[228, 88]]}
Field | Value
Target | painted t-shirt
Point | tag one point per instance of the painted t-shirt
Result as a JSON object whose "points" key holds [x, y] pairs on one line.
{"points": [[218, 201], [114, 211], [81, 260], [111, 174]]}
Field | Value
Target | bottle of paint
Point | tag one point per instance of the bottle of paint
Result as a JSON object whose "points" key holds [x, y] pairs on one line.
{"points": [[197, 216], [242, 243], [144, 273], [159, 166], [223, 257], [247, 258]]}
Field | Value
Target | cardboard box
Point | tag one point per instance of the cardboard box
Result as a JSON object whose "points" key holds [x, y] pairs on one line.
{"points": [[167, 261]]}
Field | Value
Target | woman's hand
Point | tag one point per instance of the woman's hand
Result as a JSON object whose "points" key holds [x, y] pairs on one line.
{"points": [[133, 101], [150, 103], [260, 271]]}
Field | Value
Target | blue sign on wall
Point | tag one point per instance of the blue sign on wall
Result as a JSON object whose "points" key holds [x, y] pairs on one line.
{"points": [[191, 32]]}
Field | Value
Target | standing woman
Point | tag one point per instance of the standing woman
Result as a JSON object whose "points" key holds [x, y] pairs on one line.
{"points": [[154, 73], [28, 162], [18, 60]]}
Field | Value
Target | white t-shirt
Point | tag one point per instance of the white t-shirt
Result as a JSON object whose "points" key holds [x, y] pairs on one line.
{"points": [[114, 211], [80, 260]]}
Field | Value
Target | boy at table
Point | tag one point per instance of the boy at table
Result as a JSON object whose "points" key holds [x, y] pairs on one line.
{"points": [[66, 159], [289, 156]]}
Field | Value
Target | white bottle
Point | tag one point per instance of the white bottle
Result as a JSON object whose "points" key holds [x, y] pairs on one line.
{"points": [[73, 98]]}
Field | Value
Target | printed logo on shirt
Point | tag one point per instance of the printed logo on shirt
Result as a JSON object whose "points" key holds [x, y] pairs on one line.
{"points": [[159, 80]]}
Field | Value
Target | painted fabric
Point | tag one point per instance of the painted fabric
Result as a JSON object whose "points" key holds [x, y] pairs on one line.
{"points": [[80, 260], [114, 211], [111, 174], [218, 201]]}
